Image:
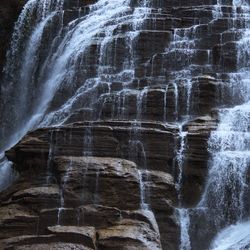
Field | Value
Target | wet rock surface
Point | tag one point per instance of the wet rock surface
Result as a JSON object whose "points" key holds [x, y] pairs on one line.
{"points": [[128, 147], [65, 188], [81, 211]]}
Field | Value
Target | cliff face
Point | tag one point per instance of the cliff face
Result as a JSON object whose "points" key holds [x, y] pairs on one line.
{"points": [[125, 105], [60, 186]]}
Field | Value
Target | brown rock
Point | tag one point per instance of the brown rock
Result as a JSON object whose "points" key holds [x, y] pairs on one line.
{"points": [[128, 235]]}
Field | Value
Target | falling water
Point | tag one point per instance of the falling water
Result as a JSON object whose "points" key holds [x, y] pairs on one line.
{"points": [[181, 52], [58, 67], [88, 142], [61, 69], [229, 146], [23, 67], [7, 173], [217, 11], [236, 237], [51, 154], [137, 150], [227, 191], [144, 205], [62, 64], [182, 213], [184, 221], [63, 187], [180, 159], [231, 159], [104, 17]]}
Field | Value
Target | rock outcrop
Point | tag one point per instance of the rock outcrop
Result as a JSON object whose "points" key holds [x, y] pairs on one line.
{"points": [[90, 202], [61, 188], [77, 189]]}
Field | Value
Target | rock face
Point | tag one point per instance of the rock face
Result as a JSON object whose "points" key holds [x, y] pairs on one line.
{"points": [[121, 137], [97, 191], [101, 191], [82, 202]]}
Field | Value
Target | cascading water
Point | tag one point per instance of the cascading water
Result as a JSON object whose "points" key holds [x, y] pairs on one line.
{"points": [[7, 173], [24, 67], [230, 164], [234, 237], [62, 64], [45, 72], [62, 190], [65, 66], [225, 199]]}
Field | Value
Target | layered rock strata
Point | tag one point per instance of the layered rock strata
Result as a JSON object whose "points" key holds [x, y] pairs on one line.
{"points": [[61, 192], [121, 148]]}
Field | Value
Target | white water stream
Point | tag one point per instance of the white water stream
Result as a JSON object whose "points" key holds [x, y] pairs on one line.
{"points": [[235, 237], [227, 190], [226, 195], [59, 66]]}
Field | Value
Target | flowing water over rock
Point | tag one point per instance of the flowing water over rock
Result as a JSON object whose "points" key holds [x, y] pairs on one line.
{"points": [[233, 237], [7, 173], [226, 196], [25, 60], [139, 111]]}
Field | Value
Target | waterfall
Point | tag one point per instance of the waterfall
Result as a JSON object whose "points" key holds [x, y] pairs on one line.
{"points": [[63, 187], [56, 69], [25, 61], [225, 198], [180, 160], [184, 227], [227, 186], [224, 202], [60, 68], [47, 56]]}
